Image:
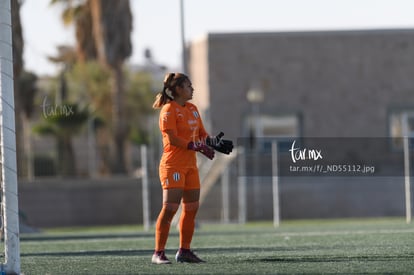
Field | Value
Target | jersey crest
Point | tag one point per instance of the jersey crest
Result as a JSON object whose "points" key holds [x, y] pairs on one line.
{"points": [[176, 176]]}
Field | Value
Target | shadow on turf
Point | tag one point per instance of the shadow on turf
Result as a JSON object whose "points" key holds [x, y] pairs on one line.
{"points": [[327, 258], [275, 259], [90, 253], [141, 252]]}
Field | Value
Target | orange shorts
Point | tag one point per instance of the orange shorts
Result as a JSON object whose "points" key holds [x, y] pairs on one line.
{"points": [[183, 178]]}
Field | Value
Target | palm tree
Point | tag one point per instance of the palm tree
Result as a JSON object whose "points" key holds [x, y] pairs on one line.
{"points": [[66, 57], [109, 23], [63, 122], [27, 90], [112, 27], [79, 14]]}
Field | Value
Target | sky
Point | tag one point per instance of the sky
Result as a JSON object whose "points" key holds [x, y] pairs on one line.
{"points": [[156, 23]]}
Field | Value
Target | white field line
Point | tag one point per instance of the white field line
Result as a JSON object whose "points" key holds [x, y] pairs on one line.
{"points": [[348, 232]]}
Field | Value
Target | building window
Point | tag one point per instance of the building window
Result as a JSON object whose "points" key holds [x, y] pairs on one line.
{"points": [[264, 128]]}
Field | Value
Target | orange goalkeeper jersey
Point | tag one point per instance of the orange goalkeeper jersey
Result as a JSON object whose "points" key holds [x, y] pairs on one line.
{"points": [[185, 122]]}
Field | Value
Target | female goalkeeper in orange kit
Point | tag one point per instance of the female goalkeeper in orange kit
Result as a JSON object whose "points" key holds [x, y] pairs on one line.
{"points": [[183, 135]]}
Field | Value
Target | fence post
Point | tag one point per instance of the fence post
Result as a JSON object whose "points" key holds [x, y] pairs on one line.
{"points": [[225, 192], [275, 184], [407, 168], [145, 188], [242, 185]]}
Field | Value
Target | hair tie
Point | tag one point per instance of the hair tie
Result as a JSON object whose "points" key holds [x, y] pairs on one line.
{"points": [[169, 93]]}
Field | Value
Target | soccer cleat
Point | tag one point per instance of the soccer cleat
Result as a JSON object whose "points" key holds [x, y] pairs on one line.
{"points": [[187, 256], [160, 258]]}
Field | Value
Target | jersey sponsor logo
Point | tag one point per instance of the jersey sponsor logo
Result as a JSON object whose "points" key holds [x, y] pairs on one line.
{"points": [[176, 176]]}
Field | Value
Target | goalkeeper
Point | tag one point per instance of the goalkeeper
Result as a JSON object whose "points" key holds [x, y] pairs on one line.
{"points": [[183, 135]]}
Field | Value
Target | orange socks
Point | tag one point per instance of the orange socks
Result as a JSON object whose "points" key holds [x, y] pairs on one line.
{"points": [[162, 227], [187, 223]]}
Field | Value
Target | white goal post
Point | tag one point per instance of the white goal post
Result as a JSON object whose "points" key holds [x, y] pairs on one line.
{"points": [[9, 200]]}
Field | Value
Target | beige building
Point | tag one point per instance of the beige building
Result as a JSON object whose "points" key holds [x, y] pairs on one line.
{"points": [[317, 84], [340, 84]]}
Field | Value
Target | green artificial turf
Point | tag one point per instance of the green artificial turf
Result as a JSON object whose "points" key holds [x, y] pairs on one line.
{"points": [[376, 246]]}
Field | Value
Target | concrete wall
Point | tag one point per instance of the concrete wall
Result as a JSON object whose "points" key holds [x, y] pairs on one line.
{"points": [[52, 203], [58, 202], [313, 197]]}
